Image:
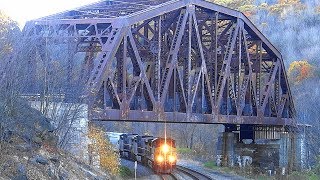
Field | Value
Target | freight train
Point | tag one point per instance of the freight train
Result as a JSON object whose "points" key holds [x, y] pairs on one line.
{"points": [[157, 153]]}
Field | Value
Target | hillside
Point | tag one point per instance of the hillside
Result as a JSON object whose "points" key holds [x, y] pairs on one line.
{"points": [[28, 150]]}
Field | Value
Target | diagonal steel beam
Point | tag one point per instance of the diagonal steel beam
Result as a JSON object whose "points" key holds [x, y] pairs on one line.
{"points": [[111, 77], [225, 70], [136, 80], [203, 61], [173, 55], [282, 103], [267, 89], [247, 78], [181, 86], [142, 69], [102, 69]]}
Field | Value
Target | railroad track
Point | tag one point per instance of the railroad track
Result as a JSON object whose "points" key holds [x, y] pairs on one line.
{"points": [[193, 174], [168, 177]]}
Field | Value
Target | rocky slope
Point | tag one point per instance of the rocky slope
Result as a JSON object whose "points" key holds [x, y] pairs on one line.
{"points": [[28, 150]]}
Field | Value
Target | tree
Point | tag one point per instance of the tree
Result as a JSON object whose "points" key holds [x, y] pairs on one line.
{"points": [[284, 7], [9, 35], [245, 6], [109, 159], [317, 9], [10, 76], [300, 71]]}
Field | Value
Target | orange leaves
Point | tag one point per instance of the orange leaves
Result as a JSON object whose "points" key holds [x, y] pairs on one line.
{"points": [[300, 71], [109, 160]]}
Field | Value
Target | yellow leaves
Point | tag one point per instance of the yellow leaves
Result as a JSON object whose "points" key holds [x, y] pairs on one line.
{"points": [[317, 9], [283, 7], [249, 8], [7, 48], [6, 23], [300, 70], [109, 160], [4, 19], [7, 33], [245, 6]]}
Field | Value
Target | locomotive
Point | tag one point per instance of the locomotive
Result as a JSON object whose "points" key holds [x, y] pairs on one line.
{"points": [[156, 152]]}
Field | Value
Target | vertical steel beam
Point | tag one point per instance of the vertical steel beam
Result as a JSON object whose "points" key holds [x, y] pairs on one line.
{"points": [[216, 58], [158, 66], [258, 75]]}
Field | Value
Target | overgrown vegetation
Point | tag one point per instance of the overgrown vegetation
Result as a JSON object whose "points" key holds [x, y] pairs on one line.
{"points": [[125, 172], [184, 150], [108, 158], [211, 165], [309, 175]]}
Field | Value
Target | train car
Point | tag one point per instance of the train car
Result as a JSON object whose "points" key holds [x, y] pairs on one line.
{"points": [[157, 153], [126, 145], [162, 155], [114, 140], [140, 148]]}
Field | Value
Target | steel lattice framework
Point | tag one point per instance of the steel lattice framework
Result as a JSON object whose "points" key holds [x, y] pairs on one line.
{"points": [[174, 61]]}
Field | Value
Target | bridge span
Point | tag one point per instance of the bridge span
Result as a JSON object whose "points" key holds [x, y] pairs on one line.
{"points": [[181, 61]]}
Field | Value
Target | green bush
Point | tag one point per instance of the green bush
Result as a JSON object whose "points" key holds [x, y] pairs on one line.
{"points": [[125, 172], [184, 150], [317, 167], [308, 175], [211, 165]]}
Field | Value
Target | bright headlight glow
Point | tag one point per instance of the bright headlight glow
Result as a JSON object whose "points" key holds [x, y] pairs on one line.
{"points": [[165, 148], [160, 158], [172, 158]]}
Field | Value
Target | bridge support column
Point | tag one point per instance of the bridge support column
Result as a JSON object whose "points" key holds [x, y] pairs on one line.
{"points": [[301, 153], [226, 149], [294, 150], [285, 152]]}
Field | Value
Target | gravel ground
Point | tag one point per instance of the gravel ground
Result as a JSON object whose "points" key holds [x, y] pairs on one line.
{"points": [[145, 173], [142, 171], [194, 165]]}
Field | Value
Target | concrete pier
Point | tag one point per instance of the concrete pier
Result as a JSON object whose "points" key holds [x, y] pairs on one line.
{"points": [[268, 151], [226, 149], [285, 153], [301, 145]]}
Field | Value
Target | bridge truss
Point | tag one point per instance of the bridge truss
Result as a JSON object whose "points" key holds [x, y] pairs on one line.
{"points": [[174, 61]]}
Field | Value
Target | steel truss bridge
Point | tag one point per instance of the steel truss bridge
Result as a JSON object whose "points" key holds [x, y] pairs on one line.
{"points": [[174, 61]]}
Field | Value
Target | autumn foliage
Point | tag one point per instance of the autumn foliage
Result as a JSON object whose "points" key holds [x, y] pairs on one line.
{"points": [[8, 32], [300, 70], [109, 160]]}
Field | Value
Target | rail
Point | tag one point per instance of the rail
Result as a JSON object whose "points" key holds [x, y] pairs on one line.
{"points": [[168, 177], [193, 174]]}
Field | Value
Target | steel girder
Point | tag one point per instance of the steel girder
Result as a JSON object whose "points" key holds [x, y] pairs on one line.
{"points": [[176, 61]]}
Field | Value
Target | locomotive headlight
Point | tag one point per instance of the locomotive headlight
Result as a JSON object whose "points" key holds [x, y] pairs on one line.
{"points": [[160, 158], [172, 158], [165, 148]]}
